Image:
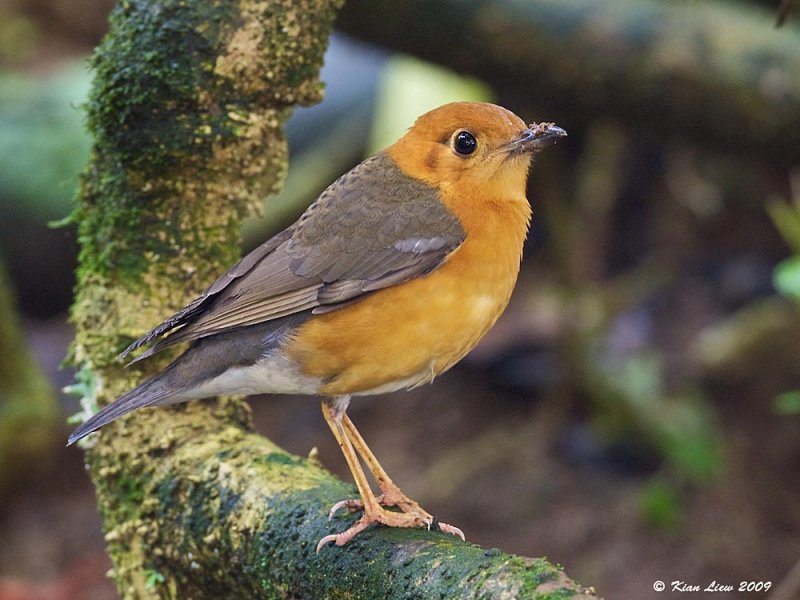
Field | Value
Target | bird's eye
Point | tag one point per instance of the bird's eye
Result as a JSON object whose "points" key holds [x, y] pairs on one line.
{"points": [[464, 143]]}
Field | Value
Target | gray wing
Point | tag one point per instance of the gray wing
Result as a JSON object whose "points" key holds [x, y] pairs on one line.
{"points": [[373, 227]]}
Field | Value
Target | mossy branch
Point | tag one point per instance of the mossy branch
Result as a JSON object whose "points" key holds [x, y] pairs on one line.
{"points": [[225, 513], [187, 111]]}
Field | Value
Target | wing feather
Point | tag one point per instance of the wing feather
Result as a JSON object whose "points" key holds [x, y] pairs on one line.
{"points": [[372, 228]]}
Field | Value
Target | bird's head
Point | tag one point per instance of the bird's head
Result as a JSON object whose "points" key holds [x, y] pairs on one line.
{"points": [[483, 146]]}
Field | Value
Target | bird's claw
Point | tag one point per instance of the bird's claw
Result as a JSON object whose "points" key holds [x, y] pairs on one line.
{"points": [[452, 530], [325, 541], [416, 518], [352, 505], [391, 498], [340, 539]]}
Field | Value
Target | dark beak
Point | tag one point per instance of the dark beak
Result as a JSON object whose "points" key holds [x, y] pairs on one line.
{"points": [[537, 137]]}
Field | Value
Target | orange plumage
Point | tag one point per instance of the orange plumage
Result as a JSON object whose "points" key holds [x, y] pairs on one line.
{"points": [[434, 320], [387, 280]]}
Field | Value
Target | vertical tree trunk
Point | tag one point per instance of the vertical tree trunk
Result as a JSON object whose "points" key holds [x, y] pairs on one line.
{"points": [[187, 112]]}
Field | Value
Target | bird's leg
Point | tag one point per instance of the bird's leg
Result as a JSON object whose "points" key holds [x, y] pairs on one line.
{"points": [[391, 495], [352, 444], [333, 410]]}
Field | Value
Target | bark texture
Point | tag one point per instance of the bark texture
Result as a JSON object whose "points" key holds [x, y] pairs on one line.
{"points": [[186, 112]]}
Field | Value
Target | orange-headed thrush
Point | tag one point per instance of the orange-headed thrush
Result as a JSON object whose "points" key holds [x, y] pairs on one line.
{"points": [[389, 278]]}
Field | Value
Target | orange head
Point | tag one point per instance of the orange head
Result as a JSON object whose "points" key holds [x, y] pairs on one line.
{"points": [[481, 146]]}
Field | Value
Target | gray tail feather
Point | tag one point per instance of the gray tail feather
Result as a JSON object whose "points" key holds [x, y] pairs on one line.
{"points": [[151, 392]]}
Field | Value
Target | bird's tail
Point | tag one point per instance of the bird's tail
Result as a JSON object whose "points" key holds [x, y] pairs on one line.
{"points": [[155, 391]]}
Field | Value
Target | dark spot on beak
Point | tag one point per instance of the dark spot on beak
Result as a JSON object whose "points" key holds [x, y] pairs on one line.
{"points": [[537, 137]]}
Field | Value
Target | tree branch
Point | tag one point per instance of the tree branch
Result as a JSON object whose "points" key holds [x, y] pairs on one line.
{"points": [[228, 514], [186, 111], [717, 72]]}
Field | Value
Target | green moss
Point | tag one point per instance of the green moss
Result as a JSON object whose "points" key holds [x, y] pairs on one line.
{"points": [[279, 458], [559, 594], [153, 579], [154, 102], [130, 493]]}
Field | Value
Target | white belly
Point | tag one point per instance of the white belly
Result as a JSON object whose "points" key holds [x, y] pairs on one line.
{"points": [[274, 374]]}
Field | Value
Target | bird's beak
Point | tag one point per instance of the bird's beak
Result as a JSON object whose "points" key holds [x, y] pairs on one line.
{"points": [[536, 137]]}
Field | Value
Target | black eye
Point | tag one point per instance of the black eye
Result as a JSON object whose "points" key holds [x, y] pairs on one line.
{"points": [[464, 143]]}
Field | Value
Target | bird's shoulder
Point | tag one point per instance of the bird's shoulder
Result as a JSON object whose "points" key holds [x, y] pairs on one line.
{"points": [[372, 214]]}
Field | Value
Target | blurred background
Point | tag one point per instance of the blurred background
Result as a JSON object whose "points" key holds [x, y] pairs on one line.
{"points": [[635, 414]]}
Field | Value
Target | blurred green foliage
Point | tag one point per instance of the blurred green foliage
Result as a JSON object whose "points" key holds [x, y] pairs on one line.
{"points": [[43, 143], [788, 403], [28, 409], [786, 217], [786, 276], [661, 503], [412, 87], [614, 356], [680, 426]]}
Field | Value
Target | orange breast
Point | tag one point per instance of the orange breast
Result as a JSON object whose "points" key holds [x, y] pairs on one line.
{"points": [[407, 334]]}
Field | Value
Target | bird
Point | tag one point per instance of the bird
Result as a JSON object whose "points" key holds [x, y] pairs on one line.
{"points": [[389, 278]]}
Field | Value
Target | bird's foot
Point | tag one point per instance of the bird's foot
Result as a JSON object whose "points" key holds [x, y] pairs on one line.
{"points": [[411, 518], [390, 499]]}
